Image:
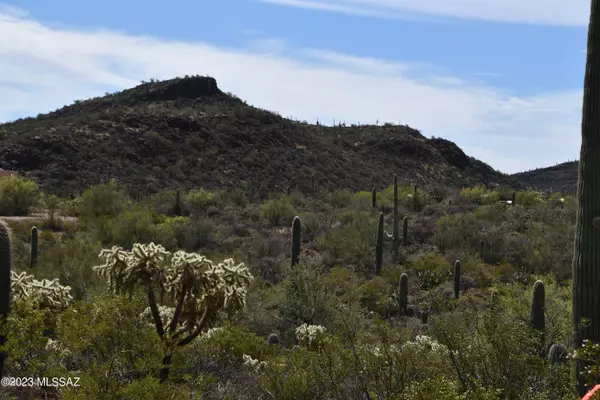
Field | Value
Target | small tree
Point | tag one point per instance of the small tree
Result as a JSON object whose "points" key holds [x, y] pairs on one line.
{"points": [[200, 289]]}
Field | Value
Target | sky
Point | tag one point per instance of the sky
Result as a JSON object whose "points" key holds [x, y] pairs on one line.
{"points": [[503, 79]]}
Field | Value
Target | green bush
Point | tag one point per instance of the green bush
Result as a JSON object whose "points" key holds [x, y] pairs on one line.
{"points": [[18, 195], [199, 200], [479, 195], [279, 211], [432, 269], [102, 201]]}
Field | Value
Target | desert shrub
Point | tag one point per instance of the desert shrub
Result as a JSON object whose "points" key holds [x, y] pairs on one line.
{"points": [[311, 226], [353, 242], [133, 225], [307, 298], [17, 195], [199, 200], [114, 353], [528, 198], [495, 349], [479, 195], [375, 295], [278, 211], [405, 198], [237, 197], [104, 200], [457, 231], [431, 269], [363, 200], [70, 260], [340, 198]]}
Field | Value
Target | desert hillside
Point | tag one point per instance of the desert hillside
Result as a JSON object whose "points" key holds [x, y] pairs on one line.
{"points": [[186, 132]]}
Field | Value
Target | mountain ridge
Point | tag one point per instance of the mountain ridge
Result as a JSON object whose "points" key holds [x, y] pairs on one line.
{"points": [[186, 132]]}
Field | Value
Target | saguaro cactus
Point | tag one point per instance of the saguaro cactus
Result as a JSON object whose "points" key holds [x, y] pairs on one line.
{"points": [[456, 279], [273, 339], [379, 244], [558, 354], [403, 293], [177, 207], [538, 305], [586, 255], [394, 237], [296, 226], [405, 230], [514, 199], [374, 198], [34, 247], [5, 268]]}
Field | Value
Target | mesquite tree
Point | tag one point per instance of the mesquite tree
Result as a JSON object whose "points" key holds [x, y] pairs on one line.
{"points": [[200, 290], [586, 257]]}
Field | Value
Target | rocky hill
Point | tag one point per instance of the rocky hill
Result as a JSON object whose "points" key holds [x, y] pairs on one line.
{"points": [[559, 178], [186, 132]]}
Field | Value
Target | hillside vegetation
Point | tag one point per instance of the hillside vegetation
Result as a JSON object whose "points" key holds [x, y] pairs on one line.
{"points": [[207, 293], [558, 178], [185, 132]]}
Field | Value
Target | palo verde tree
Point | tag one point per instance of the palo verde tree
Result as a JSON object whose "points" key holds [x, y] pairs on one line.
{"points": [[586, 256], [200, 290]]}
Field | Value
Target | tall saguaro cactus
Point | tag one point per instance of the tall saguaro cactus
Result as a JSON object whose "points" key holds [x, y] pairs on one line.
{"points": [[456, 279], [34, 247], [296, 225], [586, 255], [403, 293], [379, 244], [177, 208], [5, 267], [538, 306], [394, 237], [374, 198]]}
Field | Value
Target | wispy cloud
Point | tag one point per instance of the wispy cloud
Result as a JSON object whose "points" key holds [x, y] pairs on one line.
{"points": [[546, 12], [44, 68]]}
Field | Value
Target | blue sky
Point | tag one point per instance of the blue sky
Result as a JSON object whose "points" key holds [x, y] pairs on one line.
{"points": [[501, 78]]}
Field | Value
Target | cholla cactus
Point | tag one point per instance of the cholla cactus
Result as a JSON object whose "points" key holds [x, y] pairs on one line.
{"points": [[310, 335], [252, 363], [46, 293], [199, 288], [426, 342]]}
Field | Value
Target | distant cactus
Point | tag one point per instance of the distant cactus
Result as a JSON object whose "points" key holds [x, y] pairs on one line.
{"points": [[34, 247], [5, 274], [415, 201], [558, 354], [403, 293], [514, 199], [296, 226], [405, 230], [379, 244], [456, 279], [177, 208], [374, 198], [273, 339], [538, 304], [394, 237]]}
